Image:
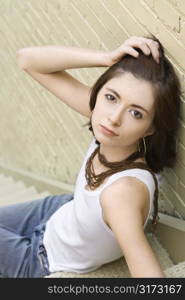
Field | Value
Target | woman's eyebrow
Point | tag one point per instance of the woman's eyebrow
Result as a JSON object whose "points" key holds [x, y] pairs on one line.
{"points": [[134, 105]]}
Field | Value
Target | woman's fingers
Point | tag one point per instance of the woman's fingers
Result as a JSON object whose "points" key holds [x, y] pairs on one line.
{"points": [[129, 50], [154, 47], [148, 46], [115, 55]]}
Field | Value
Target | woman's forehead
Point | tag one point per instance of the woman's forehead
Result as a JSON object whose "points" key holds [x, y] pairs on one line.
{"points": [[131, 88]]}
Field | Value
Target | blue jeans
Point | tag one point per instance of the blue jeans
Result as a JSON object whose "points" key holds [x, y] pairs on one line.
{"points": [[22, 253]]}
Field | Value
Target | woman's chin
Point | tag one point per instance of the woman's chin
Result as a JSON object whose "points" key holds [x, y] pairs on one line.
{"points": [[103, 139]]}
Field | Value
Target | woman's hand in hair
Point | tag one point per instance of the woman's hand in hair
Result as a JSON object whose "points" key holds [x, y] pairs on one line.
{"points": [[147, 46]]}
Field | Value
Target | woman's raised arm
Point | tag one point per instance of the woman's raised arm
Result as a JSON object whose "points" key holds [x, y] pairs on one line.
{"points": [[47, 65], [51, 58]]}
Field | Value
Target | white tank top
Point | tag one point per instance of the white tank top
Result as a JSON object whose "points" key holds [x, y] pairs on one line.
{"points": [[76, 237]]}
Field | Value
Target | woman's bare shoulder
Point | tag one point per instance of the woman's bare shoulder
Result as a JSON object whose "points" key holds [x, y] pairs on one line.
{"points": [[126, 194], [126, 183]]}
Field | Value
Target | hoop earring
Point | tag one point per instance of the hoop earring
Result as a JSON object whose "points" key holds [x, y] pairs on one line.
{"points": [[144, 143], [144, 146]]}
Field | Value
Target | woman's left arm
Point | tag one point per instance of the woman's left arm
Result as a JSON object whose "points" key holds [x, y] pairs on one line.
{"points": [[123, 204]]}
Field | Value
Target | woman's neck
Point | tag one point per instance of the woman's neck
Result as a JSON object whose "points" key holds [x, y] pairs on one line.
{"points": [[114, 154]]}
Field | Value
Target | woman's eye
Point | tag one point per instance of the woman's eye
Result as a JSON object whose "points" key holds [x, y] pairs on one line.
{"points": [[110, 97], [137, 114]]}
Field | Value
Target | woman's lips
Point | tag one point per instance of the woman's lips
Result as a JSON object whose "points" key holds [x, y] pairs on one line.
{"points": [[107, 131]]}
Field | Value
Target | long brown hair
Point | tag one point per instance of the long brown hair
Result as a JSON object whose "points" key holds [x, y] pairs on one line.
{"points": [[161, 146]]}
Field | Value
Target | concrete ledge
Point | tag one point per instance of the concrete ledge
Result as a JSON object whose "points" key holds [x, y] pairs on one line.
{"points": [[171, 233], [41, 183]]}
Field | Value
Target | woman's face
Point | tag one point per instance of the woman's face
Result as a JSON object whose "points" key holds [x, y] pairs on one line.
{"points": [[125, 105]]}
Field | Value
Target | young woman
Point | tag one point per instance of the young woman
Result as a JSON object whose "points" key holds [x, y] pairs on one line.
{"points": [[133, 111]]}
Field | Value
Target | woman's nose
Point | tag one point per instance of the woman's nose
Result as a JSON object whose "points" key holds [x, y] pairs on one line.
{"points": [[116, 117]]}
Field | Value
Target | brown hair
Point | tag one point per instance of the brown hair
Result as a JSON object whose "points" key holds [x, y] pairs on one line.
{"points": [[161, 146]]}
